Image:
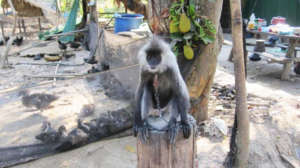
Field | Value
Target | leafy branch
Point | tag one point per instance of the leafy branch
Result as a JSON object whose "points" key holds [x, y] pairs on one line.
{"points": [[187, 28]]}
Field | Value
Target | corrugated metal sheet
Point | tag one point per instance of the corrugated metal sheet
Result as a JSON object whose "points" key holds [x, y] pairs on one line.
{"points": [[268, 8]]}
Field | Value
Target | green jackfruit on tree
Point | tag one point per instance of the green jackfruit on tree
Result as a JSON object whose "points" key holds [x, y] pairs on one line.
{"points": [[184, 23], [173, 27], [188, 52]]}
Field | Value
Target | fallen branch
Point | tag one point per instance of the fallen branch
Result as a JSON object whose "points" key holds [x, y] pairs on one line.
{"points": [[290, 161], [50, 64], [258, 104], [68, 33], [23, 87], [80, 75], [69, 76], [55, 76]]}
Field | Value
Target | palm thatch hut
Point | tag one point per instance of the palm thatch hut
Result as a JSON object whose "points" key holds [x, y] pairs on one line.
{"points": [[23, 8]]}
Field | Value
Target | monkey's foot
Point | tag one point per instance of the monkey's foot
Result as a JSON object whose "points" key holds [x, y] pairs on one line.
{"points": [[172, 131], [186, 129], [141, 131]]}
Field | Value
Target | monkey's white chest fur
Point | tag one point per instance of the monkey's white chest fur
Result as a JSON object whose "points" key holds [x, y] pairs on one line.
{"points": [[159, 119]]}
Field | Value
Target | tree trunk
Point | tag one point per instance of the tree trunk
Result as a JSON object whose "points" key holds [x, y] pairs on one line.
{"points": [[84, 4], [4, 57], [239, 148], [136, 6], [201, 71]]}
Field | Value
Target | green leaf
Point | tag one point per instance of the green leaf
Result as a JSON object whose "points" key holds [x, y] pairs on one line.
{"points": [[188, 36], [173, 43], [176, 36], [197, 24], [191, 10], [201, 32], [207, 39]]}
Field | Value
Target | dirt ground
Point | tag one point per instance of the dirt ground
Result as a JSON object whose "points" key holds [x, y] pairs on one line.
{"points": [[274, 109]]}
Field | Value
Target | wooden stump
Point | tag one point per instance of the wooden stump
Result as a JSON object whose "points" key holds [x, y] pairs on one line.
{"points": [[260, 46], [159, 153]]}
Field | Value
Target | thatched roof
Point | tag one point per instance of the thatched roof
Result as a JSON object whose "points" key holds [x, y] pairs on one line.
{"points": [[34, 8], [24, 8]]}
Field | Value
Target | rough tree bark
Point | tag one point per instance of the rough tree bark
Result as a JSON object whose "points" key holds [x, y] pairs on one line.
{"points": [[201, 74], [84, 4], [239, 148], [136, 6]]}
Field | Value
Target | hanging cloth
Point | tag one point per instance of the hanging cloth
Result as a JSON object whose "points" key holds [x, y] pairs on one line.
{"points": [[71, 23]]}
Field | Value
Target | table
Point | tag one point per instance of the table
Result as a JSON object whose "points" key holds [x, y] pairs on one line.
{"points": [[290, 57]]}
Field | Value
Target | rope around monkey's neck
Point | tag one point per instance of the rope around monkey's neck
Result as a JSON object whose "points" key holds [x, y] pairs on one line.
{"points": [[156, 94]]}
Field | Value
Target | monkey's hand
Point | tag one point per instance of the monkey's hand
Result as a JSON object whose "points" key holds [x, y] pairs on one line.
{"points": [[172, 131], [142, 131], [186, 129]]}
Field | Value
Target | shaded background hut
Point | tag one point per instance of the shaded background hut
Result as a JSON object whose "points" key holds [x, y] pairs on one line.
{"points": [[23, 8], [35, 8]]}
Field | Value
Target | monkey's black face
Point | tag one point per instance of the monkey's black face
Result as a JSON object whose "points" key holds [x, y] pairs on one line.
{"points": [[153, 57]]}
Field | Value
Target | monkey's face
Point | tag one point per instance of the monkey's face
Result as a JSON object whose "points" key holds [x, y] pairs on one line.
{"points": [[153, 59], [156, 56]]}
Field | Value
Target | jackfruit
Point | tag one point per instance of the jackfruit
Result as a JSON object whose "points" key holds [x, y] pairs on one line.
{"points": [[173, 27], [188, 52], [184, 23]]}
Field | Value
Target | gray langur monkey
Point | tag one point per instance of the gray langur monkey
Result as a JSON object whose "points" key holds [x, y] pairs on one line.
{"points": [[162, 98]]}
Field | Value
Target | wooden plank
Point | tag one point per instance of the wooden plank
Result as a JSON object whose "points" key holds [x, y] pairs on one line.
{"points": [[275, 34]]}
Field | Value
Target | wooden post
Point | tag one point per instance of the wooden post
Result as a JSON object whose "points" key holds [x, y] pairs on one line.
{"points": [[159, 153], [40, 25], [2, 32], [240, 149], [287, 66], [93, 11], [260, 46], [3, 58], [23, 26]]}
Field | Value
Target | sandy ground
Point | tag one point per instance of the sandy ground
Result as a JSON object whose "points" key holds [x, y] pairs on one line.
{"points": [[266, 122]]}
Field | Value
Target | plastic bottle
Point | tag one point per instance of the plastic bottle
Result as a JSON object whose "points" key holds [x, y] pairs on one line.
{"points": [[251, 24]]}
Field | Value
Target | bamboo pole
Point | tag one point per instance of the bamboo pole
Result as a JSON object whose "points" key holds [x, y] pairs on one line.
{"points": [[241, 140]]}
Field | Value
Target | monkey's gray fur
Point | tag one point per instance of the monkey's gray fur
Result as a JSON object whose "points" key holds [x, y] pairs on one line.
{"points": [[160, 75]]}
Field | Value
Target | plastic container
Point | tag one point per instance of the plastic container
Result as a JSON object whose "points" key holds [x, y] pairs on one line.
{"points": [[251, 23], [126, 22], [277, 20]]}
